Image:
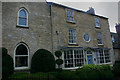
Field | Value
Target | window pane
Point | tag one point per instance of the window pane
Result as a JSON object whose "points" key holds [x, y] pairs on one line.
{"points": [[78, 57], [72, 36], [21, 50], [21, 61], [68, 58], [113, 40], [97, 22], [70, 15], [99, 38], [97, 25], [107, 57], [99, 41], [22, 21], [99, 35], [22, 13], [100, 56]]}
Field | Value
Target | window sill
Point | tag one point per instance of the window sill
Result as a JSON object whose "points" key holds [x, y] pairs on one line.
{"points": [[20, 26], [21, 68], [100, 44], [72, 68], [74, 44], [98, 27], [105, 63], [71, 21]]}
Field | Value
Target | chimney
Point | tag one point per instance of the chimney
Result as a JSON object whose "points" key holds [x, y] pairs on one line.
{"points": [[91, 11]]}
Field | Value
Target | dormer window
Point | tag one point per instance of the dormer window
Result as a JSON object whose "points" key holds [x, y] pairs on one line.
{"points": [[97, 22], [70, 16], [22, 18]]}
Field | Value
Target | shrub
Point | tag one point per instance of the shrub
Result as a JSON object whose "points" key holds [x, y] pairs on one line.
{"points": [[58, 69], [7, 64], [35, 76], [92, 67], [42, 61], [59, 61], [18, 75], [87, 68], [116, 68], [107, 75], [95, 72], [58, 53], [67, 75]]}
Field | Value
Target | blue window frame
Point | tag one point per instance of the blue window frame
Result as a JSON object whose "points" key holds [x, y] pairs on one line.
{"points": [[22, 17]]}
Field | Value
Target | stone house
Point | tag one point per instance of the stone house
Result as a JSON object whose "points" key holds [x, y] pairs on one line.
{"points": [[83, 37], [116, 42]]}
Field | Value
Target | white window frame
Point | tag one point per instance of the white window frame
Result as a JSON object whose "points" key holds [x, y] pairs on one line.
{"points": [[27, 67], [73, 36], [99, 38], [97, 23], [70, 16], [97, 52], [26, 18], [73, 53]]}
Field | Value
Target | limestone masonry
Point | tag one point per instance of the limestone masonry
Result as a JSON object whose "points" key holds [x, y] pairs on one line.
{"points": [[83, 37]]}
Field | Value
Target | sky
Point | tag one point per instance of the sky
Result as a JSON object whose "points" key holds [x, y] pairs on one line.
{"points": [[106, 8]]}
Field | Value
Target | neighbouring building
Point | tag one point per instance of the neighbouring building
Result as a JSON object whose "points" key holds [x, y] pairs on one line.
{"points": [[116, 42], [83, 37]]}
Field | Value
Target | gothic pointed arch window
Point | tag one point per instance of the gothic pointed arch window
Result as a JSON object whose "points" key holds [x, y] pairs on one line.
{"points": [[21, 56], [22, 17]]}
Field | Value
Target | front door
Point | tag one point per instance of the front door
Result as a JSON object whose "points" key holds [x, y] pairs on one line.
{"points": [[90, 59]]}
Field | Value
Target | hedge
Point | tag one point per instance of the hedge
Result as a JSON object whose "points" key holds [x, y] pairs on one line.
{"points": [[95, 72], [42, 61], [116, 68], [7, 64], [32, 76]]}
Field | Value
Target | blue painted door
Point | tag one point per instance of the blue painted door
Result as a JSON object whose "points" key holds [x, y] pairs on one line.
{"points": [[90, 59]]}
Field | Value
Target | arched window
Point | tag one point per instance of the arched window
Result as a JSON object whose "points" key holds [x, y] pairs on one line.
{"points": [[21, 59], [22, 18]]}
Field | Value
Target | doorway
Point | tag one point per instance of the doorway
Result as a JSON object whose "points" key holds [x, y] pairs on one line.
{"points": [[89, 57]]}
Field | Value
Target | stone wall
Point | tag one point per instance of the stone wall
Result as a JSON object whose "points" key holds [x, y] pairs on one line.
{"points": [[48, 28], [84, 23], [117, 54], [38, 33]]}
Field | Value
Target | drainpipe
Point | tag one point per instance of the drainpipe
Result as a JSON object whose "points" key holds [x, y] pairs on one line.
{"points": [[51, 25]]}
